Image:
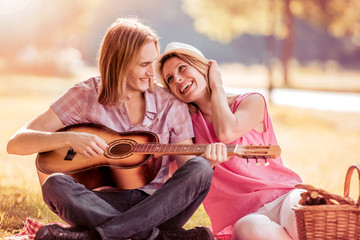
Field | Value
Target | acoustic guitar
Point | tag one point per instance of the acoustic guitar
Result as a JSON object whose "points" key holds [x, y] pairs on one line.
{"points": [[130, 160]]}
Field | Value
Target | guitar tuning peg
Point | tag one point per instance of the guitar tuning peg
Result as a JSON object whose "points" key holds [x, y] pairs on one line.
{"points": [[257, 162], [247, 161]]}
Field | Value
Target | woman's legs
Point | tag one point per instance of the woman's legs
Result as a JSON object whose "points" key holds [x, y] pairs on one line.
{"points": [[287, 215], [258, 227], [275, 220]]}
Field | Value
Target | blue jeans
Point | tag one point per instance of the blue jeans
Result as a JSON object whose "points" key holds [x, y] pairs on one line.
{"points": [[130, 214]]}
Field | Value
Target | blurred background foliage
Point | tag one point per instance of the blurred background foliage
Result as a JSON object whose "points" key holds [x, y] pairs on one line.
{"points": [[228, 19], [59, 37]]}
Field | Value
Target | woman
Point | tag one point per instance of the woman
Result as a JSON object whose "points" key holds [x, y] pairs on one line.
{"points": [[252, 202]]}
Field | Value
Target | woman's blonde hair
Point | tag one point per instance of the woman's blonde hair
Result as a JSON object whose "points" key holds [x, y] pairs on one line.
{"points": [[118, 51]]}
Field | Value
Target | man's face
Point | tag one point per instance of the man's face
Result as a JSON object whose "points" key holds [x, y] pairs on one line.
{"points": [[141, 72]]}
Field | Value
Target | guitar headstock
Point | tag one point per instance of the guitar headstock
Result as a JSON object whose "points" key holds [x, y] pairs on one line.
{"points": [[257, 152]]}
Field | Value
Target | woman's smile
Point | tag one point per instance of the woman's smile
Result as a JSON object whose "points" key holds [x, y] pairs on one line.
{"points": [[185, 87]]}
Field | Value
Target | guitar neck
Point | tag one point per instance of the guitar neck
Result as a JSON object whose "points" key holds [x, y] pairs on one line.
{"points": [[243, 151], [174, 149]]}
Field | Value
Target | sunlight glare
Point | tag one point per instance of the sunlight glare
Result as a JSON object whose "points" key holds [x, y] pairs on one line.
{"points": [[12, 6]]}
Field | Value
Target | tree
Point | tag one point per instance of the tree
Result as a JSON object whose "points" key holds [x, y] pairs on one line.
{"points": [[341, 18], [227, 19]]}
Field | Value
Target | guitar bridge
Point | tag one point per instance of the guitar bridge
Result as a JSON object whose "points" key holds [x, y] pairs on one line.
{"points": [[70, 155]]}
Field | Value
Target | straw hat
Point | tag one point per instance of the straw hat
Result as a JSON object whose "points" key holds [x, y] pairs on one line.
{"points": [[178, 47]]}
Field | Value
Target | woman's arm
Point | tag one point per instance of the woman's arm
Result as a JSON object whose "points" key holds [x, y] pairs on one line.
{"points": [[39, 135], [248, 115]]}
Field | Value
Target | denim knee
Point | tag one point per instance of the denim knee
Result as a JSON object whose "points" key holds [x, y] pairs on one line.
{"points": [[200, 168], [57, 179], [56, 184]]}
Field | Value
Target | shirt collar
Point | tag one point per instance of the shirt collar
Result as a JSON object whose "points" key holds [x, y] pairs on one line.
{"points": [[150, 108]]}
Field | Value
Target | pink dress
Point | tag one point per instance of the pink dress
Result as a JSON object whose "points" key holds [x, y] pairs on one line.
{"points": [[238, 188]]}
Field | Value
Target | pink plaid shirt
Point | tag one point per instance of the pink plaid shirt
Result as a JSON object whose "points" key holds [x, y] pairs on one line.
{"points": [[165, 115]]}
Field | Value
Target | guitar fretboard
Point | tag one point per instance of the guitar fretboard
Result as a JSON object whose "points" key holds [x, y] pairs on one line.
{"points": [[153, 148]]}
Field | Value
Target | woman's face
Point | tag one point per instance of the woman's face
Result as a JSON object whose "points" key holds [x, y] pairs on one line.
{"points": [[184, 81]]}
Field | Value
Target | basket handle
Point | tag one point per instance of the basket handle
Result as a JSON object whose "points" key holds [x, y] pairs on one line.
{"points": [[348, 180], [329, 197]]}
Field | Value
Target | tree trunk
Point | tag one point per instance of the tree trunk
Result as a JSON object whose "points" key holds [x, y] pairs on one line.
{"points": [[288, 42], [270, 48]]}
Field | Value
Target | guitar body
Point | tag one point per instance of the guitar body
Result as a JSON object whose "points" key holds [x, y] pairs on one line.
{"points": [[118, 167]]}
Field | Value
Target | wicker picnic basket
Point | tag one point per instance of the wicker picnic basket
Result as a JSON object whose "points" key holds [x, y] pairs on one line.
{"points": [[336, 218]]}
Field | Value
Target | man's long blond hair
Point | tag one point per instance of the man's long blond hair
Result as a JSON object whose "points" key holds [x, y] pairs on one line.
{"points": [[119, 49]]}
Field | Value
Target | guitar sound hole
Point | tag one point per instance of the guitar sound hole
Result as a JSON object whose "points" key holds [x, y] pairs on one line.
{"points": [[120, 149]]}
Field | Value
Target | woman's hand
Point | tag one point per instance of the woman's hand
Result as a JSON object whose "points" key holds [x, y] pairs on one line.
{"points": [[215, 153], [87, 144], [215, 79]]}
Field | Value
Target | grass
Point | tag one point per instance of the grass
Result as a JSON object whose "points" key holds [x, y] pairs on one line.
{"points": [[318, 145], [21, 97]]}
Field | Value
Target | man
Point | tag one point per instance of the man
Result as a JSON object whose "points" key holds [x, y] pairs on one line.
{"points": [[124, 98]]}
